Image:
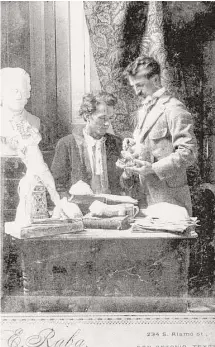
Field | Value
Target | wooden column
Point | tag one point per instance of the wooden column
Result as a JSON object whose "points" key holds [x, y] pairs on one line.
{"points": [[77, 57], [63, 68], [15, 35], [43, 68], [37, 54]]}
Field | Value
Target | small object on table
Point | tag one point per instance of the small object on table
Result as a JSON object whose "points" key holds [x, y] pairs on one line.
{"points": [[45, 228], [82, 195], [148, 224], [39, 208], [67, 210], [131, 210], [100, 209], [119, 223], [168, 217], [116, 199], [80, 188], [124, 163], [84, 201], [166, 211]]}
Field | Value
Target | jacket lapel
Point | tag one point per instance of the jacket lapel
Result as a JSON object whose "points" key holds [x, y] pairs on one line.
{"points": [[113, 150], [108, 154], [82, 147], [153, 115]]}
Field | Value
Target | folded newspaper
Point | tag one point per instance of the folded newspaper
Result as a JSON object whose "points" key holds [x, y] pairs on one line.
{"points": [[149, 224]]}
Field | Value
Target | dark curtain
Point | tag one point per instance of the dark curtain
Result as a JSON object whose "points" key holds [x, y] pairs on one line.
{"points": [[175, 33]]}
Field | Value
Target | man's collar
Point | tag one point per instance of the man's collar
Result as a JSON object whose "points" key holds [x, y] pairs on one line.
{"points": [[90, 140], [154, 96], [159, 92]]}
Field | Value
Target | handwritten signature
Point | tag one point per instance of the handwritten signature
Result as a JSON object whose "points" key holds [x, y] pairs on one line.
{"points": [[45, 338]]}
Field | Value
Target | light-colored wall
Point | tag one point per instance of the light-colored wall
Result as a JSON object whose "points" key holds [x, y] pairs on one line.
{"points": [[50, 41]]}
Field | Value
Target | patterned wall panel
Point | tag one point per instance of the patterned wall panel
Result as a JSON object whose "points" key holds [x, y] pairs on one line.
{"points": [[106, 27]]}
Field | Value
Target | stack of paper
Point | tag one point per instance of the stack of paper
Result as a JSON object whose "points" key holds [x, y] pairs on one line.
{"points": [[148, 224]]}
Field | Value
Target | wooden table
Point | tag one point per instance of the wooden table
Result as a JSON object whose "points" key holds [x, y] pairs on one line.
{"points": [[106, 271]]}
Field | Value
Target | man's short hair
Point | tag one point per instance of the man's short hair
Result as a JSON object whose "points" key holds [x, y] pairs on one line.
{"points": [[147, 64], [92, 100]]}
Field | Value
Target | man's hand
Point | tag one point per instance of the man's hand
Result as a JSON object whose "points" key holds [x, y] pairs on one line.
{"points": [[127, 143], [64, 194], [126, 174], [143, 168]]}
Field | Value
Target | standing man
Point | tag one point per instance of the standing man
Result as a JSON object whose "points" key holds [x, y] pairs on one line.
{"points": [[163, 137], [92, 155]]}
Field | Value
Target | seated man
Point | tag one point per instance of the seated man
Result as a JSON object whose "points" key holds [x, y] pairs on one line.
{"points": [[91, 156]]}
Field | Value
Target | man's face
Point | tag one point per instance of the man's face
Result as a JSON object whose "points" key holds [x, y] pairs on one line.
{"points": [[99, 121], [142, 85], [15, 95]]}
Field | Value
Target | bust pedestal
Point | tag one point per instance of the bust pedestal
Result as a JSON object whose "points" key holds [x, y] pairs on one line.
{"points": [[12, 170]]}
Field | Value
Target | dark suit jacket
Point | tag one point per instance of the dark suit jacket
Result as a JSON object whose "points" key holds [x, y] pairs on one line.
{"points": [[71, 162]]}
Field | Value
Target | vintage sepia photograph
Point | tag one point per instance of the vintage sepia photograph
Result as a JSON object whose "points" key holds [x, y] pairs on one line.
{"points": [[108, 165]]}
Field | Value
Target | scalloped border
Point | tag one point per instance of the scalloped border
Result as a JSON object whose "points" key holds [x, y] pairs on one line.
{"points": [[112, 319]]}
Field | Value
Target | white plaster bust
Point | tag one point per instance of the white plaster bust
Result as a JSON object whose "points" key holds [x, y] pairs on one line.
{"points": [[15, 92], [20, 136]]}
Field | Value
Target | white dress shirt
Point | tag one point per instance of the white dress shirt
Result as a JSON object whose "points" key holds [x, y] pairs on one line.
{"points": [[98, 161]]}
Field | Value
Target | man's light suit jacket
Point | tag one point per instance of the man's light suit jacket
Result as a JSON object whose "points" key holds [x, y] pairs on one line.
{"points": [[169, 144]]}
